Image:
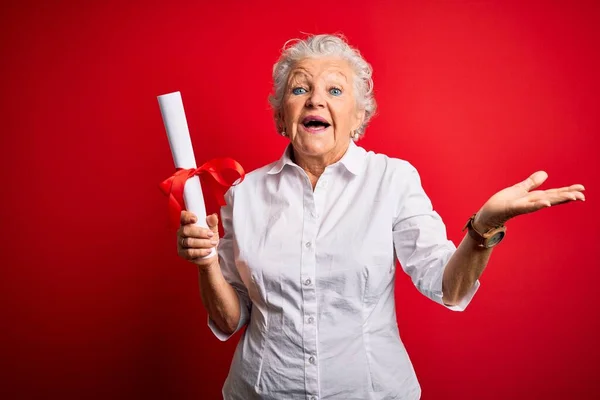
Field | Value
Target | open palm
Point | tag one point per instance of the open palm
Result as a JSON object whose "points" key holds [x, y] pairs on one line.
{"points": [[521, 198]]}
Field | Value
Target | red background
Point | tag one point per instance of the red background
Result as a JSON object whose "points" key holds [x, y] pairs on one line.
{"points": [[95, 302]]}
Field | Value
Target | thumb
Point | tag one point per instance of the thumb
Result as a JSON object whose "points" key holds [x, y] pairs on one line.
{"points": [[213, 223], [535, 180]]}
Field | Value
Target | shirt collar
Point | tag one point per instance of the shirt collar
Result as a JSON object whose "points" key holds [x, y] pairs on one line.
{"points": [[352, 160]]}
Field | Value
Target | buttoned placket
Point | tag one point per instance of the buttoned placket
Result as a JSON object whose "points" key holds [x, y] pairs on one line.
{"points": [[313, 202]]}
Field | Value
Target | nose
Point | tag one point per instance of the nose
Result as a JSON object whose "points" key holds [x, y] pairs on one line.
{"points": [[315, 100]]}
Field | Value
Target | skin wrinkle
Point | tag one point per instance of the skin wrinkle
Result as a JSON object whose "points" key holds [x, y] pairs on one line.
{"points": [[313, 152], [294, 77]]}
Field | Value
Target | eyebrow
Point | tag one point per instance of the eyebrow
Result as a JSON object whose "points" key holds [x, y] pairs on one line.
{"points": [[340, 73], [301, 73], [295, 74]]}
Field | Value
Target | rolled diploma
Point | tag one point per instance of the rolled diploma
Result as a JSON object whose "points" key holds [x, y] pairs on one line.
{"points": [[173, 114]]}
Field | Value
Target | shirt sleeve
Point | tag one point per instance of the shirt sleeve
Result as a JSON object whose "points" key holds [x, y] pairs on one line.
{"points": [[421, 243], [229, 270]]}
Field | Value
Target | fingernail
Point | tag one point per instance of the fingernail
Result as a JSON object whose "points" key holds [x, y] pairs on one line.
{"points": [[210, 234], [214, 242]]}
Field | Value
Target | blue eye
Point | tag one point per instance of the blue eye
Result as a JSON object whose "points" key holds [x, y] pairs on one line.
{"points": [[298, 90], [335, 91]]}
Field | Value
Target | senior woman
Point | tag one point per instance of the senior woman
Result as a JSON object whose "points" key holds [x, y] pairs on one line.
{"points": [[307, 260]]}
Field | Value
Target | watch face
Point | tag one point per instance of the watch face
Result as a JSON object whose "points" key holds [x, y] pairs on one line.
{"points": [[494, 240]]}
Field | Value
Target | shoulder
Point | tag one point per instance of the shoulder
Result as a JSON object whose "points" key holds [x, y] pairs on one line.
{"points": [[397, 169], [256, 176], [249, 183]]}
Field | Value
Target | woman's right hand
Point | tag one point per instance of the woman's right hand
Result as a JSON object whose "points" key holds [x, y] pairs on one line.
{"points": [[195, 242]]}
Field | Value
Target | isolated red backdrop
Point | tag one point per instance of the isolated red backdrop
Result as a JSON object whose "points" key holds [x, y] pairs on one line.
{"points": [[477, 95]]}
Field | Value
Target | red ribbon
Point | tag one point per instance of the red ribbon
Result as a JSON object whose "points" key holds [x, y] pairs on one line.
{"points": [[173, 186]]}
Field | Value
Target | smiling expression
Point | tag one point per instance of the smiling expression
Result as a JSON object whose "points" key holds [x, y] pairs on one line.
{"points": [[319, 110]]}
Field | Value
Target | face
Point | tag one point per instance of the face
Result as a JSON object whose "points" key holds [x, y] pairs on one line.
{"points": [[319, 108]]}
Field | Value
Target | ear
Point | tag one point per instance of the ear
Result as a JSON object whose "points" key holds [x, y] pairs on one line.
{"points": [[359, 119], [279, 121]]}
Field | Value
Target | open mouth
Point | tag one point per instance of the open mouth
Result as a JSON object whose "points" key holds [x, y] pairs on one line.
{"points": [[315, 123]]}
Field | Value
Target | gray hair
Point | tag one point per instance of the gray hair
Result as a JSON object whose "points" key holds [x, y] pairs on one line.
{"points": [[324, 46]]}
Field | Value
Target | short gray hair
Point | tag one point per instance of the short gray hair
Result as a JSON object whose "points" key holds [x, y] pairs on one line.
{"points": [[324, 46]]}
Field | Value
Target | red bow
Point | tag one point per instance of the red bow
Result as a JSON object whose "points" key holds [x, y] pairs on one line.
{"points": [[173, 186]]}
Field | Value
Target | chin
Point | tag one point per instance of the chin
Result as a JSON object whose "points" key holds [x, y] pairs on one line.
{"points": [[317, 149]]}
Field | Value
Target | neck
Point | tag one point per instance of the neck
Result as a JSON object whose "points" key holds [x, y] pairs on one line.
{"points": [[315, 165]]}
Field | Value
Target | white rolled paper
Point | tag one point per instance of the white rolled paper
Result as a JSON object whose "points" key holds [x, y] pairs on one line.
{"points": [[173, 114]]}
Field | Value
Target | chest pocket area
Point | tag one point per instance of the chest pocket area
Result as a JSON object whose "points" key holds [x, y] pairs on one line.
{"points": [[262, 255]]}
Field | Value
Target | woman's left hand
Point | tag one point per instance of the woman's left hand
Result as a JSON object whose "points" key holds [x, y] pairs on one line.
{"points": [[522, 199]]}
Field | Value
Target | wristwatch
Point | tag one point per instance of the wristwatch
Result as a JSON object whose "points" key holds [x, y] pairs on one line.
{"points": [[488, 239]]}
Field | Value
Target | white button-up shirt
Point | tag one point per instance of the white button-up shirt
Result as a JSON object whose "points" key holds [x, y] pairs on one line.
{"points": [[314, 272]]}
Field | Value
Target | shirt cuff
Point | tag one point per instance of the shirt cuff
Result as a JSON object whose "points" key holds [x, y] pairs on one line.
{"points": [[464, 302], [244, 317]]}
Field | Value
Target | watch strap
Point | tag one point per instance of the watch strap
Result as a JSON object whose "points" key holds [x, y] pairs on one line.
{"points": [[483, 239]]}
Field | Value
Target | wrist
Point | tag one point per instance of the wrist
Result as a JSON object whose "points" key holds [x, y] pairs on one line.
{"points": [[479, 226], [210, 268], [482, 225], [485, 234]]}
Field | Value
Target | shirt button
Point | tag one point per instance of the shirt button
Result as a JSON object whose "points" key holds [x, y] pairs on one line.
{"points": [[310, 320], [313, 398], [313, 214], [307, 282], [311, 360], [308, 244]]}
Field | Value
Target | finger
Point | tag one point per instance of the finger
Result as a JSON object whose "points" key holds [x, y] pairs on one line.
{"points": [[187, 217], [193, 243], [548, 199], [190, 254], [572, 188], [579, 196], [196, 232], [547, 203], [213, 223], [562, 195], [534, 180]]}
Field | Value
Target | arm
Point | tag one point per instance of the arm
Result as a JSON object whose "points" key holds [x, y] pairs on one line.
{"points": [[421, 243], [222, 290], [463, 269], [469, 260], [219, 298]]}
